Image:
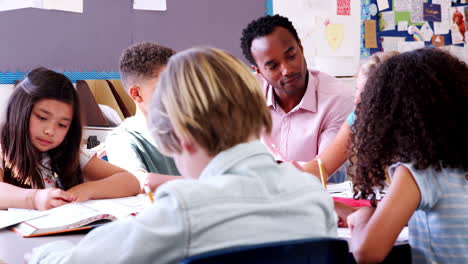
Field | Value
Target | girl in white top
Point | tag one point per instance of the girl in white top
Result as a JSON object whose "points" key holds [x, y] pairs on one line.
{"points": [[41, 164]]}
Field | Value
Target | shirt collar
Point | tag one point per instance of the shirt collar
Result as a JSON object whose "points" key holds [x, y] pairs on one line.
{"points": [[227, 159], [309, 100]]}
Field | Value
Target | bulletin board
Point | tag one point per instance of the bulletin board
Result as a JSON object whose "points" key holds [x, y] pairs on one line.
{"points": [[368, 14], [88, 45]]}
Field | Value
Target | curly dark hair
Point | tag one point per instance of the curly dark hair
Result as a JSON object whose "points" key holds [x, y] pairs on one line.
{"points": [[261, 27], [141, 60], [412, 110]]}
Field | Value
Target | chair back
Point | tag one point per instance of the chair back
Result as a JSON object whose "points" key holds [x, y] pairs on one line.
{"points": [[305, 251]]}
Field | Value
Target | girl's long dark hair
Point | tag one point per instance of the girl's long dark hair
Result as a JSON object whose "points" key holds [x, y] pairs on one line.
{"points": [[21, 161], [413, 110]]}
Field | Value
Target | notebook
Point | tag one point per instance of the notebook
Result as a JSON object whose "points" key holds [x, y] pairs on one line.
{"points": [[81, 216], [9, 218], [345, 233]]}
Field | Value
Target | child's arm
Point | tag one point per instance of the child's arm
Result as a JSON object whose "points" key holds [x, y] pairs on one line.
{"points": [[154, 180], [374, 231], [16, 197], [334, 155], [104, 180]]}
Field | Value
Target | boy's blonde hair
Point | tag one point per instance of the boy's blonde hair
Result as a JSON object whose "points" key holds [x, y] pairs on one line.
{"points": [[207, 95], [373, 61]]}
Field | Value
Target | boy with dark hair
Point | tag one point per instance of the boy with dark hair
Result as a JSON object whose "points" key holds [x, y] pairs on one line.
{"points": [[130, 145]]}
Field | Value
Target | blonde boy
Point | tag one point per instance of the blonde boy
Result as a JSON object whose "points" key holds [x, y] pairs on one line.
{"points": [[236, 195]]}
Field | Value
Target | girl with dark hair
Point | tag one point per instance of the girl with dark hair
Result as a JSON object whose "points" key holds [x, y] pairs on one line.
{"points": [[412, 119], [41, 164]]}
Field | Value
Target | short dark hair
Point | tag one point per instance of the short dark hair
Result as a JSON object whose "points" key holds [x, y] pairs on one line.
{"points": [[141, 60], [261, 27]]}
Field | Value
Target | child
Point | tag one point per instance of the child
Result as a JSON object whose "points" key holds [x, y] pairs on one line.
{"points": [[412, 117], [336, 153], [236, 194], [41, 163], [130, 145]]}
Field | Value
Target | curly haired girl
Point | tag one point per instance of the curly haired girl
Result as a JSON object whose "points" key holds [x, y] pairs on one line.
{"points": [[412, 119]]}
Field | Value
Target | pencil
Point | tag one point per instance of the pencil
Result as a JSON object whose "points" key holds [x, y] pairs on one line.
{"points": [[149, 192], [323, 175]]}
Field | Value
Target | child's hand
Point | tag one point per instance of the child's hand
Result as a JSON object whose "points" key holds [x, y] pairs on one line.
{"points": [[49, 198], [343, 211], [361, 216], [155, 180], [82, 192]]}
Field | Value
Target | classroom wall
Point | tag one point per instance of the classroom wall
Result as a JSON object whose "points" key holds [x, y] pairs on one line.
{"points": [[93, 40]]}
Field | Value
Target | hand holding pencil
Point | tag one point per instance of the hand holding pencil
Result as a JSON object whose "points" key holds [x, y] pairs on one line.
{"points": [[323, 174]]}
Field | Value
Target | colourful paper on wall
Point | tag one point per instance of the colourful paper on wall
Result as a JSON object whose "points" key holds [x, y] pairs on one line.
{"points": [[334, 34], [432, 12], [458, 27], [343, 7], [370, 34], [438, 41]]}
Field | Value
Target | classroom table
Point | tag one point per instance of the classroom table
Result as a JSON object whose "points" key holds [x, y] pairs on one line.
{"points": [[13, 247]]}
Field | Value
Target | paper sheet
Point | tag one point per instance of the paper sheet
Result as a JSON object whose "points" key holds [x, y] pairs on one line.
{"points": [[417, 11], [426, 31], [387, 21], [402, 5], [11, 217], [155, 5], [336, 36], [443, 27], [345, 233], [391, 43], [409, 45], [438, 41], [64, 5], [432, 12], [6, 5], [402, 25], [370, 34], [343, 7], [382, 4], [457, 25]]}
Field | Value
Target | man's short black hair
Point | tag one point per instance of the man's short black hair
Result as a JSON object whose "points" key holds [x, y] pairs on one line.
{"points": [[261, 27]]}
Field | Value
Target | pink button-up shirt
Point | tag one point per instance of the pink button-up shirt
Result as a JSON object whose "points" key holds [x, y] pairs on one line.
{"points": [[307, 129]]}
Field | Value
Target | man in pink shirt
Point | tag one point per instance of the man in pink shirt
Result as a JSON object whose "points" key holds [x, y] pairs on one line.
{"points": [[307, 107]]}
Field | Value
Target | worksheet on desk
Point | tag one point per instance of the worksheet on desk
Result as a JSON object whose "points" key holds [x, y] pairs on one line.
{"points": [[11, 217]]}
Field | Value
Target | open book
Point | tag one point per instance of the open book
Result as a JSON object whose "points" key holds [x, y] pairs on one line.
{"points": [[80, 216]]}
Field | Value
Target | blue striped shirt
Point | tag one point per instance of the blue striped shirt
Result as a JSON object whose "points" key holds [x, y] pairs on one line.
{"points": [[438, 229]]}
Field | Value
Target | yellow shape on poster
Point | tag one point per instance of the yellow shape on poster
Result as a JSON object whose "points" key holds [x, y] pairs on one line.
{"points": [[334, 34]]}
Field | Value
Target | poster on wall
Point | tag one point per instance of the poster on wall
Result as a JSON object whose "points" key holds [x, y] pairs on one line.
{"points": [[329, 37], [154, 5], [6, 5], [62, 5], [457, 26], [335, 37]]}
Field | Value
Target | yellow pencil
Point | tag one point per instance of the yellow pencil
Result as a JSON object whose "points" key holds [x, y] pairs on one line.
{"points": [[323, 175], [149, 192]]}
